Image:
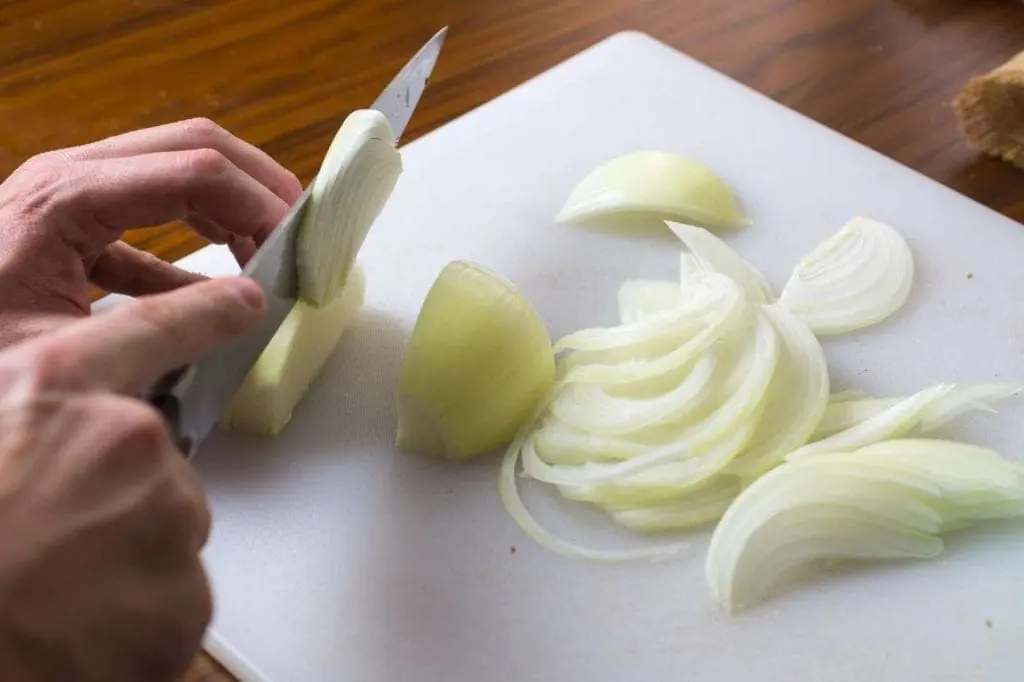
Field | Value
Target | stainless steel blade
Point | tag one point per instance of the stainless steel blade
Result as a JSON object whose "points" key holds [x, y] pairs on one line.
{"points": [[194, 397], [399, 99], [201, 391]]}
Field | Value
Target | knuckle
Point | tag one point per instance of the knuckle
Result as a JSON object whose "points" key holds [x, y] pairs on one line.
{"points": [[207, 161], [37, 181], [41, 367], [202, 131]]}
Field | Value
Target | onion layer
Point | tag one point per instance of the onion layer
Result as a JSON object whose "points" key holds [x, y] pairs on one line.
{"points": [[888, 501], [859, 276]]}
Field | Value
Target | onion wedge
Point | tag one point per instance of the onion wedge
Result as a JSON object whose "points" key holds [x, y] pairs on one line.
{"points": [[888, 501], [859, 276], [656, 183], [715, 255], [358, 174]]}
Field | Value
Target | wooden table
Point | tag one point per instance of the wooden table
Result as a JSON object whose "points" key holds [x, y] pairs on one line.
{"points": [[284, 74]]}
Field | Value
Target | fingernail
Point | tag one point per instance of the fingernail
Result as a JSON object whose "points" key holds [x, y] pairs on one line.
{"points": [[248, 292]]}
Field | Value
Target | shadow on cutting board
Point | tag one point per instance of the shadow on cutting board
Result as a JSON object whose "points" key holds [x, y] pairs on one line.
{"points": [[349, 408]]}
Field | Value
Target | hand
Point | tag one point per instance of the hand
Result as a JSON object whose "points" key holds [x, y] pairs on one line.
{"points": [[101, 518], [62, 215]]}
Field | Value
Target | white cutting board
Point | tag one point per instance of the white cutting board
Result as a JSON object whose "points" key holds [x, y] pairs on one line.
{"points": [[334, 558]]}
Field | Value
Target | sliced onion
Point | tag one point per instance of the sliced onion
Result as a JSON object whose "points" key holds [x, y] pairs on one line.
{"points": [[631, 370], [708, 445], [640, 299], [704, 296], [513, 504], [797, 396], [890, 423], [656, 183], [715, 255], [859, 276], [689, 266], [358, 174], [848, 394], [704, 505], [960, 399], [591, 409], [888, 500]]}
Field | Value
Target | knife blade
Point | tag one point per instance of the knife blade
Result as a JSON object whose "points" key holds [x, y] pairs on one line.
{"points": [[192, 398]]}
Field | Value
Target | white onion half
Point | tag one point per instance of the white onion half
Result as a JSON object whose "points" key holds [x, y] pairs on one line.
{"points": [[857, 277]]}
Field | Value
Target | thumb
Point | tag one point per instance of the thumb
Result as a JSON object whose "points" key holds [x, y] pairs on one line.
{"points": [[128, 348]]}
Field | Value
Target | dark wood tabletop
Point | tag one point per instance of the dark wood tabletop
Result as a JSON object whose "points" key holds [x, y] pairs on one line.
{"points": [[282, 75]]}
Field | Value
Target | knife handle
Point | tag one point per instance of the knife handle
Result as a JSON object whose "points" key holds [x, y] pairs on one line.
{"points": [[165, 397]]}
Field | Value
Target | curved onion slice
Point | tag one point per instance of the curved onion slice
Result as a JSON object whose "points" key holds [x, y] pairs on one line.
{"points": [[797, 396], [591, 409], [704, 296], [707, 446], [715, 255], [704, 505], [631, 370], [961, 398], [859, 276], [643, 298], [889, 500], [663, 184], [890, 423], [358, 174], [848, 394], [513, 504]]}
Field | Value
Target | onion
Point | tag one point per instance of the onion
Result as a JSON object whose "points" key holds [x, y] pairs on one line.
{"points": [[642, 298], [356, 179], [714, 255], [591, 409], [797, 396], [298, 351], [847, 394], [631, 366], [859, 276], [887, 501], [703, 505], [707, 446], [889, 423], [703, 296], [662, 184], [477, 364], [513, 504]]}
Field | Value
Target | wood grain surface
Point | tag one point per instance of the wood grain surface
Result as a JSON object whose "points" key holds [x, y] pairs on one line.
{"points": [[283, 75]]}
